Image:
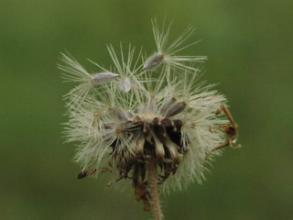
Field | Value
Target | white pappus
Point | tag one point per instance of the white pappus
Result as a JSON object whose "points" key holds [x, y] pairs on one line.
{"points": [[145, 123]]}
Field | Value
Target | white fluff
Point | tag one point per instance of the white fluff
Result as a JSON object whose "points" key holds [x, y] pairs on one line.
{"points": [[101, 103]]}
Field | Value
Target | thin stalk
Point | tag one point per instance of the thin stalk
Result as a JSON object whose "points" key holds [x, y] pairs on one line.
{"points": [[154, 191]]}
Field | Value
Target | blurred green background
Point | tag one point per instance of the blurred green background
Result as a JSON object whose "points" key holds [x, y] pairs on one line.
{"points": [[250, 50]]}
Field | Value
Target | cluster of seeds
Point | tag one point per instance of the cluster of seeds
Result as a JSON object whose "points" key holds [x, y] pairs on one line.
{"points": [[151, 123]]}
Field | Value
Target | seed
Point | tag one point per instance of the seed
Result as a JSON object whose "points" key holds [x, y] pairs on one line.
{"points": [[175, 109], [153, 61], [103, 77]]}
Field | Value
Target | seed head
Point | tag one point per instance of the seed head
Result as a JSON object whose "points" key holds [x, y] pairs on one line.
{"points": [[124, 119]]}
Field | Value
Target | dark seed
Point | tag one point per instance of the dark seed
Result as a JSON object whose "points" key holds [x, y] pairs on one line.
{"points": [[82, 175], [175, 109]]}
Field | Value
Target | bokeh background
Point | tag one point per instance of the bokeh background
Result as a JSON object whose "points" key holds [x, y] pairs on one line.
{"points": [[250, 50]]}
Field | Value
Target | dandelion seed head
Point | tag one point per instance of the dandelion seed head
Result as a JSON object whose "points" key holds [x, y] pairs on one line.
{"points": [[122, 119]]}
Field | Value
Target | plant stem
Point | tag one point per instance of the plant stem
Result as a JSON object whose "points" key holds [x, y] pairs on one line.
{"points": [[154, 191]]}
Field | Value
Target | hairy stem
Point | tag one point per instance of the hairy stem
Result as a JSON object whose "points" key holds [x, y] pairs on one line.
{"points": [[154, 191]]}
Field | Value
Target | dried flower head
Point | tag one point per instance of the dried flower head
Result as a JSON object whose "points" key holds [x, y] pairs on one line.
{"points": [[156, 131]]}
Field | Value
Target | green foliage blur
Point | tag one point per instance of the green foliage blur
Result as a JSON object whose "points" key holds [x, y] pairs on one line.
{"points": [[250, 50]]}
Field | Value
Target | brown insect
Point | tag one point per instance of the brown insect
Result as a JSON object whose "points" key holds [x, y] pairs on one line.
{"points": [[230, 129]]}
